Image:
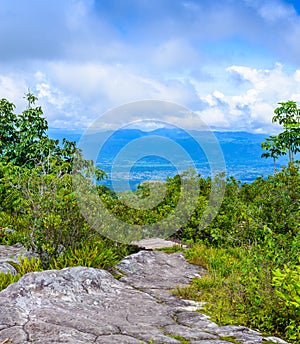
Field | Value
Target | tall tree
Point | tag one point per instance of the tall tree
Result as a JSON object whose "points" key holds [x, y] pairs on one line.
{"points": [[288, 141], [7, 126], [274, 149], [24, 140], [288, 115]]}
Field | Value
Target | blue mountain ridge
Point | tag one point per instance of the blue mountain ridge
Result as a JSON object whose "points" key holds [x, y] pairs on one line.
{"points": [[131, 156]]}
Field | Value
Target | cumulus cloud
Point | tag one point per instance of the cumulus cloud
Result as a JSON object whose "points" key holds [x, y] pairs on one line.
{"points": [[272, 10], [83, 57], [12, 88], [252, 109], [73, 95]]}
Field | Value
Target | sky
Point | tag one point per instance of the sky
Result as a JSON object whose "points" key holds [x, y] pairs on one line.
{"points": [[229, 61]]}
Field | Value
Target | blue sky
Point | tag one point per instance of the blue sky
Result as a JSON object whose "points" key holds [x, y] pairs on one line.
{"points": [[229, 61]]}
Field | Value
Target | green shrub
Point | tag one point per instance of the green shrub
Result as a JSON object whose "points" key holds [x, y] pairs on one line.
{"points": [[42, 198], [238, 288], [12, 229], [102, 254], [287, 284]]}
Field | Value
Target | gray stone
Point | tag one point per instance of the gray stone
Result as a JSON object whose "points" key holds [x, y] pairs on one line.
{"points": [[13, 252], [77, 305], [85, 305], [10, 254], [194, 319], [155, 243], [274, 340], [157, 270], [188, 333], [147, 334], [117, 339], [7, 268], [210, 342]]}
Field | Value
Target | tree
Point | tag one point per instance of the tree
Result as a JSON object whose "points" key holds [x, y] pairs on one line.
{"points": [[274, 149], [287, 115], [24, 140], [7, 126], [36, 184]]}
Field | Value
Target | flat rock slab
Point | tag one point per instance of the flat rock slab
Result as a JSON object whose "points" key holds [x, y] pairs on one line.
{"points": [[154, 243], [11, 254], [86, 305], [157, 270]]}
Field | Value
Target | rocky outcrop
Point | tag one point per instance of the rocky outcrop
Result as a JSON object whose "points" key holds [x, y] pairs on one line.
{"points": [[86, 305], [10, 254], [156, 243]]}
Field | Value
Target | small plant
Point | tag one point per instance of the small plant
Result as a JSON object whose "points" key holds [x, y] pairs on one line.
{"points": [[231, 340], [175, 248], [101, 254], [27, 265], [287, 284], [7, 279]]}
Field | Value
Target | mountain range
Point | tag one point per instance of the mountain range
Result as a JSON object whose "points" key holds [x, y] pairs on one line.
{"points": [[131, 156]]}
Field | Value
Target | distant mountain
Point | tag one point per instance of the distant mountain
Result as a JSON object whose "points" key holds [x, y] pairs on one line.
{"points": [[135, 155], [60, 134]]}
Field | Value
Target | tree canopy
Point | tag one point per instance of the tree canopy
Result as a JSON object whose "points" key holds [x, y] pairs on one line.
{"points": [[23, 138], [287, 141]]}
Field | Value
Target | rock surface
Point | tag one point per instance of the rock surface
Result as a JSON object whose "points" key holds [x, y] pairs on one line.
{"points": [[154, 243], [86, 305], [11, 254]]}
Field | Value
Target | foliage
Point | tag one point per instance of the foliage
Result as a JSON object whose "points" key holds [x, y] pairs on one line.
{"points": [[287, 115], [23, 138], [36, 184], [101, 254], [47, 202], [238, 287], [247, 209], [11, 229], [172, 249], [274, 148], [287, 284], [7, 279], [172, 202], [250, 248]]}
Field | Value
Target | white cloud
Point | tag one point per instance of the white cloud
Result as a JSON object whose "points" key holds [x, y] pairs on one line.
{"points": [[274, 11], [13, 88], [83, 57], [175, 54], [116, 84], [252, 109], [72, 95], [215, 117]]}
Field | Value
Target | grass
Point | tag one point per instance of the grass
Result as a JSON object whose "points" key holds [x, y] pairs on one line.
{"points": [[237, 289]]}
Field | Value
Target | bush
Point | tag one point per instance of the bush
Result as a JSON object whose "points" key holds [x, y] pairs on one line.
{"points": [[287, 284], [238, 287], [46, 201], [101, 254]]}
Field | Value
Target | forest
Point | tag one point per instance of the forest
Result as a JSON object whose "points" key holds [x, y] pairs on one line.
{"points": [[247, 237]]}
